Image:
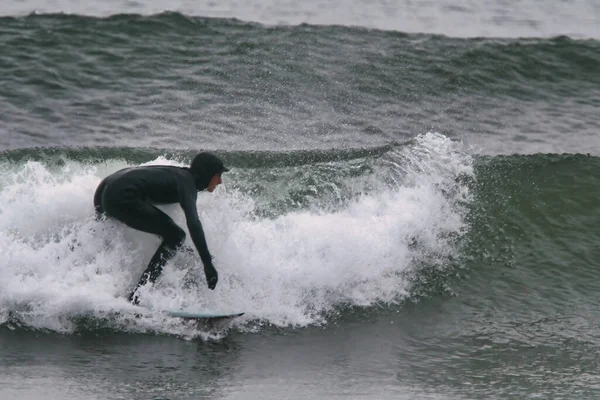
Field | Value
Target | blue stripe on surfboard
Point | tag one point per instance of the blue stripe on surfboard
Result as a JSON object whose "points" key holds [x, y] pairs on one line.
{"points": [[197, 315]]}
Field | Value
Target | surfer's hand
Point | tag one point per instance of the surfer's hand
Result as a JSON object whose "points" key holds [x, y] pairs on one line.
{"points": [[211, 275]]}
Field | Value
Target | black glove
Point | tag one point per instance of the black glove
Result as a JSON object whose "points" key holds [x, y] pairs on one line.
{"points": [[211, 275]]}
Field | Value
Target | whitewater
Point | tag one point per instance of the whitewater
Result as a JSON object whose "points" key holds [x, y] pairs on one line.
{"points": [[290, 268]]}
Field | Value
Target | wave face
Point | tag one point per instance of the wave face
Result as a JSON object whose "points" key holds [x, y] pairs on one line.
{"points": [[306, 238], [535, 230]]}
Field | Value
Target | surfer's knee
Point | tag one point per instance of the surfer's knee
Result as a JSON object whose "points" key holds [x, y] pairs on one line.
{"points": [[176, 237]]}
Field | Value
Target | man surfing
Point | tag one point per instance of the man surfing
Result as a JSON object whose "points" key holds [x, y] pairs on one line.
{"points": [[130, 195]]}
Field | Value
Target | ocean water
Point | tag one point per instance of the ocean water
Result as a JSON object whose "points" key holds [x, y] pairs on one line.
{"points": [[412, 209]]}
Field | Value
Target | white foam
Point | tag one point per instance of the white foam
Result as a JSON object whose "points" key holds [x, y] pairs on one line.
{"points": [[292, 270]]}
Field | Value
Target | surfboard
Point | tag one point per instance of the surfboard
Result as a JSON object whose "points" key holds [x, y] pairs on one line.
{"points": [[201, 315]]}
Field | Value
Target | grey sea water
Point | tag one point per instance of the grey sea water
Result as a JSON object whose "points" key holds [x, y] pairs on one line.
{"points": [[411, 212]]}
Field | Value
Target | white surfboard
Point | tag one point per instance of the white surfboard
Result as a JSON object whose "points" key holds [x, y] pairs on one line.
{"points": [[202, 315]]}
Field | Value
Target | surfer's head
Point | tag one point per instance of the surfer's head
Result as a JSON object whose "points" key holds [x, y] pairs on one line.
{"points": [[207, 169]]}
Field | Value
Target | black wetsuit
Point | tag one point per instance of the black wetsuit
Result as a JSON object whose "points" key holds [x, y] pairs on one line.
{"points": [[129, 195]]}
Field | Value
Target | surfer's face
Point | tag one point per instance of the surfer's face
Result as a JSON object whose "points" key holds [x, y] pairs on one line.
{"points": [[214, 182]]}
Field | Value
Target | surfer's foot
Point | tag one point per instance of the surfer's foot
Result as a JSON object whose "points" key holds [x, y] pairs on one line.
{"points": [[134, 298], [187, 249]]}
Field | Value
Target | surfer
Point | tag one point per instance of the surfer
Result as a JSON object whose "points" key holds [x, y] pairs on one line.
{"points": [[129, 195]]}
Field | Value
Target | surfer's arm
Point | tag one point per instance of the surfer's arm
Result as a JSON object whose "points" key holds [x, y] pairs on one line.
{"points": [[188, 196]]}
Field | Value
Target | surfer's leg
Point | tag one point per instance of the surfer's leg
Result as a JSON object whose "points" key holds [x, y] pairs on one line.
{"points": [[147, 218]]}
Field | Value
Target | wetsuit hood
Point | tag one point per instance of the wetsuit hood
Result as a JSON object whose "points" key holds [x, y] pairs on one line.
{"points": [[204, 166]]}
